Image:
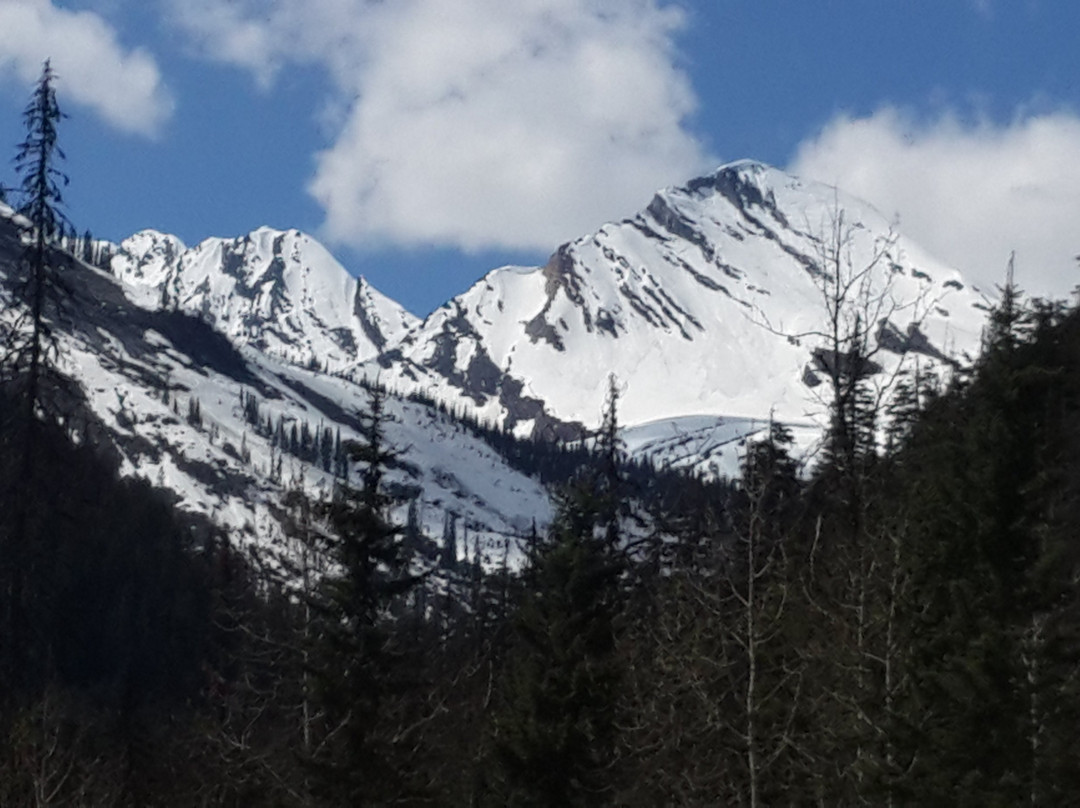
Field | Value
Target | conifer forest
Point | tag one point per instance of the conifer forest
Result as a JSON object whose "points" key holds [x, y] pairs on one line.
{"points": [[896, 623]]}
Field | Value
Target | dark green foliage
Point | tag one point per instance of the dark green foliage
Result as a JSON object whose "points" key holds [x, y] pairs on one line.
{"points": [[194, 412], [30, 380], [771, 475], [40, 180], [993, 471], [36, 158], [31, 343], [316, 446]]}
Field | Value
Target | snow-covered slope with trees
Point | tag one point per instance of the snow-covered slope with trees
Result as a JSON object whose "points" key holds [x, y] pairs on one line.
{"points": [[229, 428]]}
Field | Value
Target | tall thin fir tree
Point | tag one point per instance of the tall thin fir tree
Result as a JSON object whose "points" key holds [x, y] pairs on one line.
{"points": [[766, 675], [557, 727], [31, 345], [362, 673], [41, 182]]}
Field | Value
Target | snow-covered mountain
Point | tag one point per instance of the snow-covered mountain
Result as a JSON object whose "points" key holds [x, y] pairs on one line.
{"points": [[710, 307], [711, 301], [181, 405], [278, 291]]}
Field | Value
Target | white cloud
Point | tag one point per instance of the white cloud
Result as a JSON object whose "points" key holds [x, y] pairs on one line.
{"points": [[968, 193], [475, 123], [123, 86]]}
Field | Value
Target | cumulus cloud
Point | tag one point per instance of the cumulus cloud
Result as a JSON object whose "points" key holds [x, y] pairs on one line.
{"points": [[475, 123], [970, 193], [123, 86]]}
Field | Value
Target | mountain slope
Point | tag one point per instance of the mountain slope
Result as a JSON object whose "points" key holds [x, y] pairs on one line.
{"points": [[175, 401]]}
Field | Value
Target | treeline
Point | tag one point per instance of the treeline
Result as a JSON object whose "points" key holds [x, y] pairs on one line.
{"points": [[554, 461], [87, 249]]}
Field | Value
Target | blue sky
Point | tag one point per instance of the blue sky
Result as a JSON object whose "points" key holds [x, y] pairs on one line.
{"points": [[427, 141]]}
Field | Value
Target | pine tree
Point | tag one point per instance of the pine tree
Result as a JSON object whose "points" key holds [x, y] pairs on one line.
{"points": [[194, 413], [448, 554], [87, 253], [557, 730], [767, 676], [609, 480], [719, 675], [988, 472]]}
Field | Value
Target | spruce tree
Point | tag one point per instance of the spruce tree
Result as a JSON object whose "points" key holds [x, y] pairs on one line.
{"points": [[992, 560]]}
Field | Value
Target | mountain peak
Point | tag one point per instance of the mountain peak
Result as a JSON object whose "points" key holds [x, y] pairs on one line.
{"points": [[280, 291], [745, 171], [707, 303], [746, 166]]}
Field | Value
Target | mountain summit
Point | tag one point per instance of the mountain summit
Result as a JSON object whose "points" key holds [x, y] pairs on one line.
{"points": [[712, 307]]}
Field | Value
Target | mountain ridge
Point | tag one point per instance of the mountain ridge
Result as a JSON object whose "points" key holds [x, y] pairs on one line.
{"points": [[227, 428], [706, 306]]}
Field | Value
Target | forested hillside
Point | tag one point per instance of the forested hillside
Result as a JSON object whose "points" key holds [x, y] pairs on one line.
{"points": [[902, 626]]}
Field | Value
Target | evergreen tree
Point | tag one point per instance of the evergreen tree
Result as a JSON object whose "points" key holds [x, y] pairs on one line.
{"points": [[87, 252], [194, 413], [608, 480], [556, 732], [719, 673], [448, 555], [28, 373], [993, 570], [361, 670], [556, 735], [326, 449], [36, 162]]}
